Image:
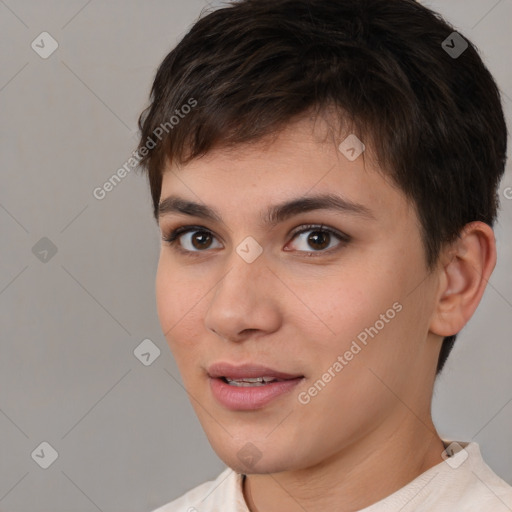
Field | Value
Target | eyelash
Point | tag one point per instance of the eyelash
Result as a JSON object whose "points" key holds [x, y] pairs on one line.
{"points": [[175, 234]]}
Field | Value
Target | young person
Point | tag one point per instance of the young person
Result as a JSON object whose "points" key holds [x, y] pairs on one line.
{"points": [[324, 176]]}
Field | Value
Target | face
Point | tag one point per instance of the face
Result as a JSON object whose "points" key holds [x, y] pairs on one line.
{"points": [[331, 298]]}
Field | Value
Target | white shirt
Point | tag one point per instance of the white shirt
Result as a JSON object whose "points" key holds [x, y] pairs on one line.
{"points": [[461, 483]]}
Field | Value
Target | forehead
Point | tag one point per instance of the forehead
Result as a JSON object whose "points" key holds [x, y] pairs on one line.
{"points": [[301, 160]]}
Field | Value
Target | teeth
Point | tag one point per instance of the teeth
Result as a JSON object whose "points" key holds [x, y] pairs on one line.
{"points": [[250, 381]]}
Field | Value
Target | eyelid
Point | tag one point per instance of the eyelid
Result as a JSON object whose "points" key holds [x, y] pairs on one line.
{"points": [[181, 230], [320, 227]]}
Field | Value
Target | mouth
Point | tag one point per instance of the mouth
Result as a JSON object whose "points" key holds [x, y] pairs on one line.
{"points": [[248, 374], [247, 381], [249, 386]]}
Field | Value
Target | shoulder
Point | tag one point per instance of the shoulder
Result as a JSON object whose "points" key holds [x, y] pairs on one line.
{"points": [[225, 490], [465, 482], [484, 486]]}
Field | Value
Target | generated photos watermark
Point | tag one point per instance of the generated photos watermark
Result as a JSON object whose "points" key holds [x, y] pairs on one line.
{"points": [[101, 192], [305, 397]]}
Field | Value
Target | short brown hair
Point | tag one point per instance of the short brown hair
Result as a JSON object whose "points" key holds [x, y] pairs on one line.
{"points": [[434, 120]]}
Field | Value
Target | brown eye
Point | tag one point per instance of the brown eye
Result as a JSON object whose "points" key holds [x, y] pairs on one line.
{"points": [[319, 240], [201, 239], [192, 239]]}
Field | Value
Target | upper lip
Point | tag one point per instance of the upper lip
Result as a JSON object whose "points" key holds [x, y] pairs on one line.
{"points": [[249, 370]]}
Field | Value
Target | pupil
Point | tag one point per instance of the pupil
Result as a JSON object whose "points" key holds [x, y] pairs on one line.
{"points": [[206, 240], [319, 238]]}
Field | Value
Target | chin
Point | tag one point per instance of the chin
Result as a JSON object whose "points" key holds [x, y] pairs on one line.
{"points": [[253, 457], [261, 467]]}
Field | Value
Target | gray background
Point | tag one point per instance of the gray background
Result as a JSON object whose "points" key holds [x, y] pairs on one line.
{"points": [[126, 436]]}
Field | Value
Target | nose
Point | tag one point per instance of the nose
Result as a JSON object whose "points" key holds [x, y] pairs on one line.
{"points": [[244, 302]]}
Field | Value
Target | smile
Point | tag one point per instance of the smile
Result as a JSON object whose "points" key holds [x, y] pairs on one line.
{"points": [[248, 381]]}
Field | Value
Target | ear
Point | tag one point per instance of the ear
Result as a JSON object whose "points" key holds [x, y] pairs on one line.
{"points": [[466, 266]]}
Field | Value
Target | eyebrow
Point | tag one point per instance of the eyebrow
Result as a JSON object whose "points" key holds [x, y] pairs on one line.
{"points": [[274, 214]]}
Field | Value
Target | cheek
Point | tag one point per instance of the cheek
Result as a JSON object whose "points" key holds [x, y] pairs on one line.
{"points": [[180, 300], [342, 305], [367, 319], [165, 298]]}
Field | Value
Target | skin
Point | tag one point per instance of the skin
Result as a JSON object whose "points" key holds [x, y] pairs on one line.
{"points": [[296, 309]]}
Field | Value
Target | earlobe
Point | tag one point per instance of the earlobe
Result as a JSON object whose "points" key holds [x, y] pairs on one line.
{"points": [[466, 266]]}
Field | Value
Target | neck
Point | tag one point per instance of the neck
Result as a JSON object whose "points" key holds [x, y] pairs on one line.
{"points": [[361, 474]]}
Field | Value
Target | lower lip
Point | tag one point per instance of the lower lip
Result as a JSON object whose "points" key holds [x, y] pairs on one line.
{"points": [[248, 398]]}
